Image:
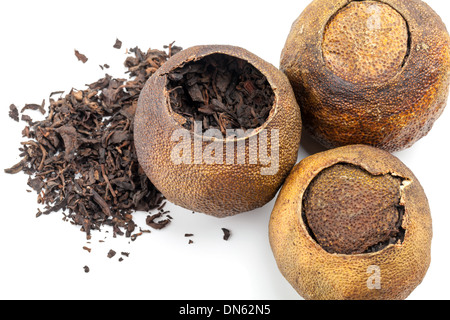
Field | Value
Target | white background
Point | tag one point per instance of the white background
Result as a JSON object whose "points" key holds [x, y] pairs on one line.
{"points": [[42, 258]]}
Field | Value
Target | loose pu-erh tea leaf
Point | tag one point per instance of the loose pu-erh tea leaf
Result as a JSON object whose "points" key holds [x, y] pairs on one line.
{"points": [[221, 92], [226, 234], [14, 113], [111, 253], [118, 44], [81, 57], [81, 158]]}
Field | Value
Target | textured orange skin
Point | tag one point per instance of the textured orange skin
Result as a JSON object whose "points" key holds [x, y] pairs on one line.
{"points": [[354, 33], [317, 274], [391, 115], [217, 189]]}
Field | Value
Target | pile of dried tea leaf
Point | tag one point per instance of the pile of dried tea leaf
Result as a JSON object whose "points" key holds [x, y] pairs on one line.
{"points": [[81, 157]]}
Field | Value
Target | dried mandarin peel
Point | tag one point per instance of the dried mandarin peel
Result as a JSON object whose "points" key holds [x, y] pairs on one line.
{"points": [[318, 274]]}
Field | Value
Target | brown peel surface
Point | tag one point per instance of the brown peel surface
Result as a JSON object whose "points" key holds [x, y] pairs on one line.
{"points": [[349, 210], [317, 274], [367, 41]]}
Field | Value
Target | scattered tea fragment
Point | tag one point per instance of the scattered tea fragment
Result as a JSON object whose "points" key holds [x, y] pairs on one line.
{"points": [[226, 234], [86, 269], [349, 199], [55, 93], [14, 113], [124, 254], [221, 92], [156, 224], [118, 44], [188, 235], [87, 249], [172, 49], [81, 57], [111, 253], [33, 106], [360, 84], [27, 119]]}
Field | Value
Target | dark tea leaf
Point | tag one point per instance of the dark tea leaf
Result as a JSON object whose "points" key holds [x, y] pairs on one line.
{"points": [[14, 113], [81, 57], [111, 253], [226, 234], [81, 158], [118, 44], [221, 92]]}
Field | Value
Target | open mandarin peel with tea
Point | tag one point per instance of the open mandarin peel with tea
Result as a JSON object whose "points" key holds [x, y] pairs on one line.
{"points": [[219, 88], [352, 223]]}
